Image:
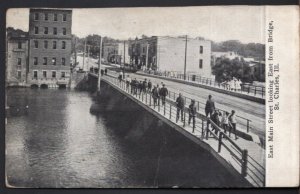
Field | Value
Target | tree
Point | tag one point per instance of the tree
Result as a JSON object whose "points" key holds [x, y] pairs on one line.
{"points": [[225, 69]]}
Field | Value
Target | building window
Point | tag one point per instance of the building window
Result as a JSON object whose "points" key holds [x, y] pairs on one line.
{"points": [[53, 61], [36, 44], [201, 49], [35, 75], [46, 30], [19, 61], [63, 74], [36, 16], [63, 46], [200, 63], [64, 17], [55, 17], [45, 44], [44, 74], [55, 31], [53, 74], [19, 45], [54, 45], [19, 74], [35, 61], [63, 61], [64, 31], [36, 29], [45, 61], [46, 16]]}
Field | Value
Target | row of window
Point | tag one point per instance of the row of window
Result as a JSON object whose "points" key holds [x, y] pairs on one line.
{"points": [[46, 16], [54, 44], [45, 61], [46, 30], [53, 75]]}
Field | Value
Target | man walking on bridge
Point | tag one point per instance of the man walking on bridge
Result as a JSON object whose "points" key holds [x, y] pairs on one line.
{"points": [[128, 81], [180, 107], [210, 106], [192, 113], [155, 95], [163, 93], [149, 86]]}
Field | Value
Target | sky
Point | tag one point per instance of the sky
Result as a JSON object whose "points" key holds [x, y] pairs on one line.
{"points": [[217, 23]]}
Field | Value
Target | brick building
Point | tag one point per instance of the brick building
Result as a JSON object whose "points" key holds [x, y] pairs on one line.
{"points": [[113, 52], [49, 46], [17, 59], [168, 54]]}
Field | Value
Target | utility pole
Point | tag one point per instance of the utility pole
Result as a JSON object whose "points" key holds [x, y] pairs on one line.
{"points": [[124, 62], [147, 48], [88, 62], [185, 57], [99, 67], [75, 52], [84, 50]]}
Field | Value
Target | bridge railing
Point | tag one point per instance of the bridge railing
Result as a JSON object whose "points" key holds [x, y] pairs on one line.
{"points": [[244, 88], [204, 129]]}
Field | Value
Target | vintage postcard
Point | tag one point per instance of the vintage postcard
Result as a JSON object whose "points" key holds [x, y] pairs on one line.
{"points": [[169, 97]]}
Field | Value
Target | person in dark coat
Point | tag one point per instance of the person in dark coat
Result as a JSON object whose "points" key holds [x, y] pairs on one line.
{"points": [[145, 84], [180, 107], [149, 86], [102, 72], [215, 118], [192, 113], [163, 93], [210, 106], [105, 71], [140, 87], [155, 95]]}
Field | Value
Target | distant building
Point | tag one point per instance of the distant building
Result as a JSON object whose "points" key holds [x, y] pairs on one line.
{"points": [[168, 54], [49, 46], [257, 70], [114, 52], [228, 55], [17, 59]]}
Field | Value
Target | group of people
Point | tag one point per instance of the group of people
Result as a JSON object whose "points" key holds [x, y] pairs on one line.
{"points": [[159, 93], [234, 84]]}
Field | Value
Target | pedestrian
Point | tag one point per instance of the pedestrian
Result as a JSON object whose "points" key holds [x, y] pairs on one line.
{"points": [[149, 86], [128, 81], [120, 76], [224, 122], [180, 107], [155, 95], [105, 71], [140, 87], [134, 86], [158, 99], [163, 93], [102, 72], [145, 85], [210, 106], [232, 123], [192, 113], [216, 121]]}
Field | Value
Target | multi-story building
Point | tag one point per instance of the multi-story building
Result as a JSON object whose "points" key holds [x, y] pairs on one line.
{"points": [[49, 46], [17, 59], [113, 52], [168, 54]]}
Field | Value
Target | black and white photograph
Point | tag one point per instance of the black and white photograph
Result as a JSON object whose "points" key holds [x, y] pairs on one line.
{"points": [[169, 97]]}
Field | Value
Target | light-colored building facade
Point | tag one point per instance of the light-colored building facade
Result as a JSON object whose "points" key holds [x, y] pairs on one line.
{"points": [[114, 52], [49, 46], [17, 60], [168, 54], [228, 55]]}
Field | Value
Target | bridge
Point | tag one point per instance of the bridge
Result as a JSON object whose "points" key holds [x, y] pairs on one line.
{"points": [[242, 156]]}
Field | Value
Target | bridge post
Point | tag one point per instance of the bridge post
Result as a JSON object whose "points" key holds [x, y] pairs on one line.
{"points": [[165, 109], [247, 126], [150, 100], [244, 162], [170, 111], [184, 119], [202, 132], [220, 141]]}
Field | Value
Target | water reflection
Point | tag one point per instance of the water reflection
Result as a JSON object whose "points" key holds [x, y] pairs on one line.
{"points": [[58, 143]]}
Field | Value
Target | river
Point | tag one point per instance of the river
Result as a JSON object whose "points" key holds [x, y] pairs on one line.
{"points": [[53, 141]]}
